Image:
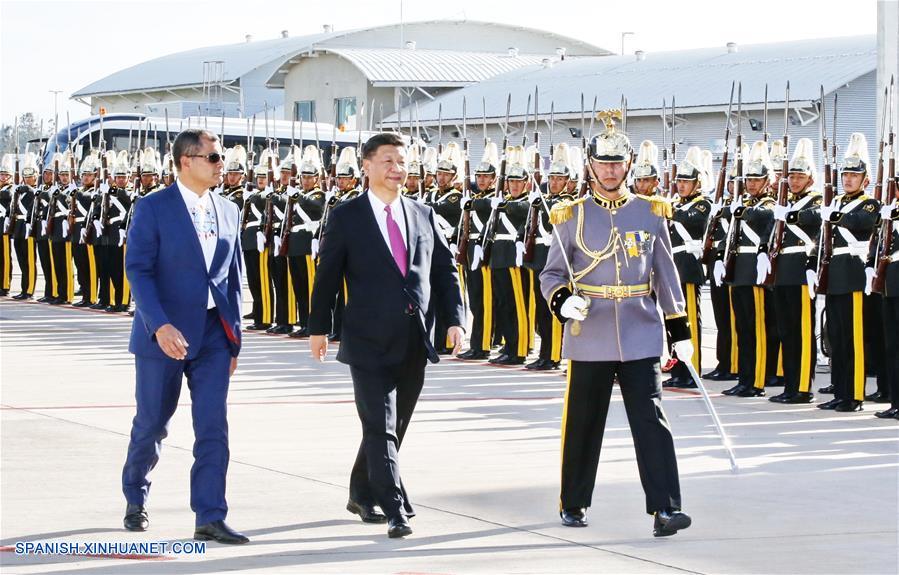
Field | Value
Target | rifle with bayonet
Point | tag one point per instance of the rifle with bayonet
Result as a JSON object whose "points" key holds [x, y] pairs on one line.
{"points": [[708, 253], [465, 222], [17, 181], [733, 236], [672, 190], [783, 190], [489, 233], [885, 253], [825, 251], [533, 217]]}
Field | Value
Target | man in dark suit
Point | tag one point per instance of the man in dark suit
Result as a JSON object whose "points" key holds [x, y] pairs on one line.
{"points": [[184, 265], [400, 276]]}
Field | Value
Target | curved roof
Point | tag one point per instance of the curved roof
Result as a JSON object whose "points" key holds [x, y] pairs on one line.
{"points": [[185, 69], [394, 67], [698, 78]]}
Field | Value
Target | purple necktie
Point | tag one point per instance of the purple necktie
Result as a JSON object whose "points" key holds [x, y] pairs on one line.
{"points": [[397, 245]]}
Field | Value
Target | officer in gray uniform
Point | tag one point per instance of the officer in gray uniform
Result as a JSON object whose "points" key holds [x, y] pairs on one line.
{"points": [[618, 246]]}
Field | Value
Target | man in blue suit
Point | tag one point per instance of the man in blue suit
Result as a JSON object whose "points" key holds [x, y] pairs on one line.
{"points": [[184, 265], [399, 275]]}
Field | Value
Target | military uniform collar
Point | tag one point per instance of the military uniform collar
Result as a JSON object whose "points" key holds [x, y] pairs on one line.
{"points": [[689, 199], [603, 202]]}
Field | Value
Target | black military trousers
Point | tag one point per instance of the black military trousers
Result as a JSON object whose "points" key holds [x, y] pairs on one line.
{"points": [[480, 301], [43, 254], [25, 252], [510, 296], [102, 257], [891, 343], [726, 338], [755, 322], [584, 420], [115, 255], [548, 326], [302, 278], [5, 263], [694, 316], [61, 252], [845, 328], [385, 399], [285, 304], [260, 284], [874, 344], [85, 269], [795, 315]]}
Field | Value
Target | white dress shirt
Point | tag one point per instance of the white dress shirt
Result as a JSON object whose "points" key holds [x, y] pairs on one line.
{"points": [[396, 210], [202, 214]]}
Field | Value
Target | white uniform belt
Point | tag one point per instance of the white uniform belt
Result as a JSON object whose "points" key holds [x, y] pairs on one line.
{"points": [[692, 246], [474, 236], [795, 250], [310, 227], [844, 251], [748, 250], [504, 237]]}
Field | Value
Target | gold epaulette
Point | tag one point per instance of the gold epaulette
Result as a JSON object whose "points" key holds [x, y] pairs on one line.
{"points": [[659, 206], [563, 211]]}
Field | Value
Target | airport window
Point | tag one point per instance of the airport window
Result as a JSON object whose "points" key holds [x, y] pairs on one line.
{"points": [[346, 113], [304, 110]]}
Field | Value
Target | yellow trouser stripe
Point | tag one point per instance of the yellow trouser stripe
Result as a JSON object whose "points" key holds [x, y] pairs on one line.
{"points": [[346, 294], [520, 311], [555, 352], [54, 287], [310, 277], [565, 419], [291, 299], [111, 292], [487, 336], [532, 309], [734, 351], [761, 337], [805, 362], [70, 274], [7, 248], [126, 287], [858, 345], [92, 272], [266, 302], [32, 270], [693, 317]]}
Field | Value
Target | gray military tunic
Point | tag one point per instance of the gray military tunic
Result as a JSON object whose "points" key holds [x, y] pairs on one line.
{"points": [[620, 252]]}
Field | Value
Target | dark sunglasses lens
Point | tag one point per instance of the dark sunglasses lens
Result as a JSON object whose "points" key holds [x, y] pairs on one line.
{"points": [[214, 158]]}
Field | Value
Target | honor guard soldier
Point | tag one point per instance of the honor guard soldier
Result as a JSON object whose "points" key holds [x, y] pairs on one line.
{"points": [[308, 205], [83, 251], [114, 234], [168, 170], [689, 220], [613, 251], [548, 326], [413, 173], [447, 204], [794, 304], [854, 217], [19, 229], [58, 232], [255, 247], [429, 159], [576, 154], [889, 213], [147, 164], [347, 171], [285, 304], [235, 166], [6, 215], [479, 276], [646, 169], [38, 219], [510, 282], [778, 153], [752, 303]]}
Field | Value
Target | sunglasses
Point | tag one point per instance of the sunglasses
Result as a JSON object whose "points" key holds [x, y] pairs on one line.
{"points": [[212, 158]]}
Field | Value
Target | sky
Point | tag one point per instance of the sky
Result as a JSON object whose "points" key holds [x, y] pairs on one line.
{"points": [[63, 45]]}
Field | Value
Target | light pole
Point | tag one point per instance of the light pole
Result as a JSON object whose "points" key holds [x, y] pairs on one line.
{"points": [[56, 94], [623, 34]]}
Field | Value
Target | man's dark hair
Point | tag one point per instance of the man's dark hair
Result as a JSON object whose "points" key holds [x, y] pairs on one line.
{"points": [[383, 139], [189, 142]]}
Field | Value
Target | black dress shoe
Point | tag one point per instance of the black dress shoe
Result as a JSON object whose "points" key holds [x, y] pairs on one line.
{"points": [[800, 397], [849, 405], [500, 357], [714, 374], [508, 360], [536, 364], [574, 517], [832, 404], [279, 330], [136, 518], [891, 413], [300, 333], [685, 384], [248, 316], [82, 303], [671, 382], [258, 327], [99, 305], [21, 296], [878, 397], [779, 398], [366, 512], [334, 337], [474, 354], [828, 389], [734, 390], [548, 365], [44, 299], [398, 527], [751, 392], [670, 522], [219, 531]]}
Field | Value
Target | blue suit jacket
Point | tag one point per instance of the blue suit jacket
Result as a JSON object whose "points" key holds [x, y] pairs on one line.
{"points": [[165, 266], [376, 317]]}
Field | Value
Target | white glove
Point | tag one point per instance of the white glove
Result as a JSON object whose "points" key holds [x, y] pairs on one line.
{"points": [[575, 307], [886, 211], [260, 240], [5, 224], [780, 212], [277, 244], [83, 236], [519, 254], [104, 187], [716, 209], [43, 227], [869, 280], [314, 248], [329, 194], [718, 273], [826, 211], [121, 237], [534, 195], [65, 228], [27, 230], [762, 267], [684, 350], [478, 256], [72, 187], [495, 202], [98, 227], [811, 281], [454, 249], [292, 191]]}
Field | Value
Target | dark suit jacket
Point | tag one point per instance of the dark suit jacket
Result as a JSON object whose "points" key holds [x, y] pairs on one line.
{"points": [[165, 266], [377, 314]]}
